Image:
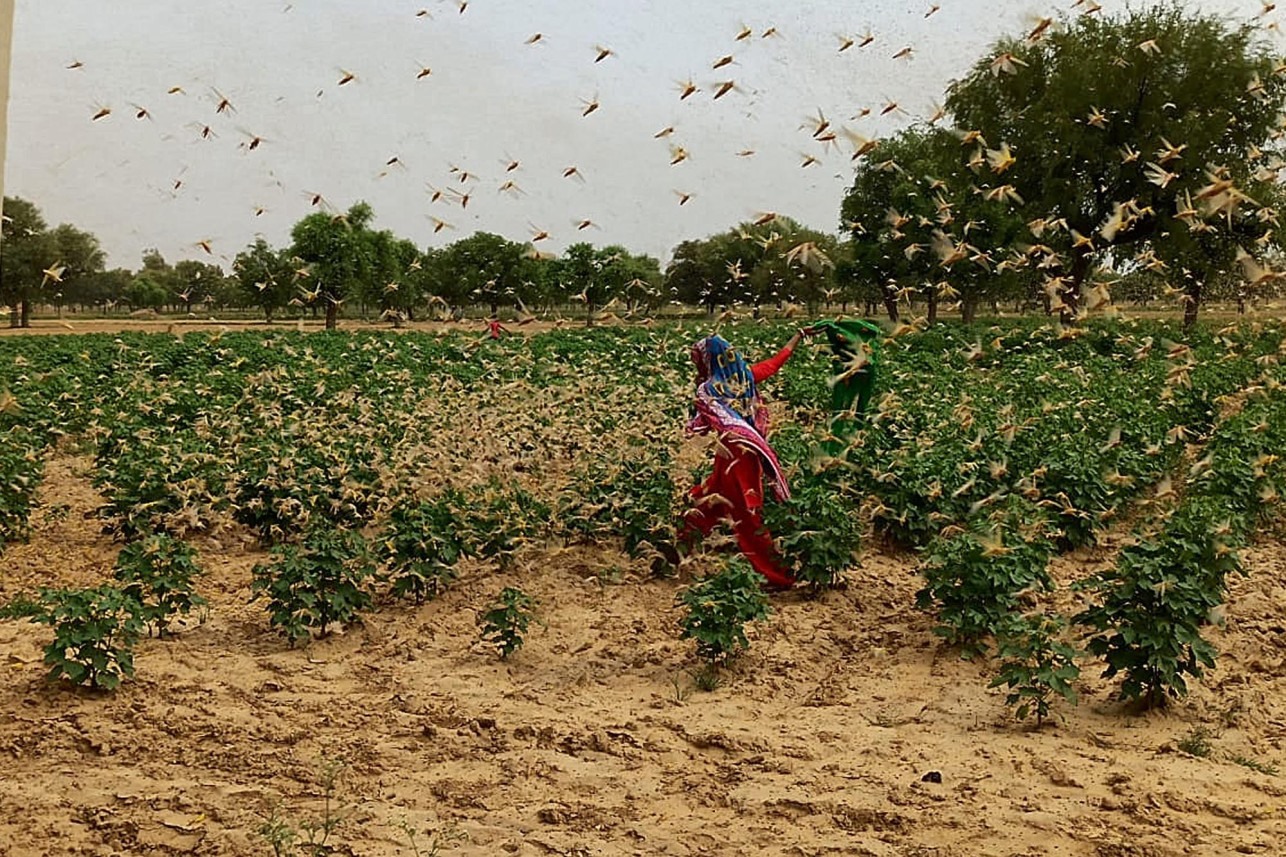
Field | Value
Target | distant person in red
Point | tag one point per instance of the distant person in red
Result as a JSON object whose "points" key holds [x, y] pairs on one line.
{"points": [[495, 328], [728, 403]]}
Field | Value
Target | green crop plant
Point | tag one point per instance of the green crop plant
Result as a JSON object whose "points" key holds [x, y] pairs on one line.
{"points": [[159, 573], [1150, 608], [504, 624], [717, 609], [94, 633], [974, 580], [1036, 666], [818, 528], [420, 546], [314, 584], [20, 470]]}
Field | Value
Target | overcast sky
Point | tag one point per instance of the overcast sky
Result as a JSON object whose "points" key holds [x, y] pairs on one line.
{"points": [[489, 99]]}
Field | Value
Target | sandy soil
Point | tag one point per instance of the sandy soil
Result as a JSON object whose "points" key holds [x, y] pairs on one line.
{"points": [[591, 740]]}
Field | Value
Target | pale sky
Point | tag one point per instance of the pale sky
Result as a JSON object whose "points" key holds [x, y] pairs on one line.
{"points": [[489, 99]]}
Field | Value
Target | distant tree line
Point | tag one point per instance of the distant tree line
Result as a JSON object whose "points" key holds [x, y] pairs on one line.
{"points": [[1095, 161]]}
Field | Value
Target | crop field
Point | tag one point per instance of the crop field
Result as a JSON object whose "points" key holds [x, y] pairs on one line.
{"points": [[382, 593]]}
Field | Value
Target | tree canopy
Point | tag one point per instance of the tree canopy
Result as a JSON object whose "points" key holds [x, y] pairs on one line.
{"points": [[1153, 132]]}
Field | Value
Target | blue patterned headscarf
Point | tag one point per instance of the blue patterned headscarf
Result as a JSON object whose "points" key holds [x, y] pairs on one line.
{"points": [[728, 403], [730, 379]]}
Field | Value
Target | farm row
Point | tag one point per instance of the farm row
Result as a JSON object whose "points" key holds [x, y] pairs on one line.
{"points": [[372, 463]]}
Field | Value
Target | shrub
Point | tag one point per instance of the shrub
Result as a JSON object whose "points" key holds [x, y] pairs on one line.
{"points": [[505, 623], [20, 471], [421, 545], [311, 585], [1147, 623], [157, 573], [974, 580], [718, 609], [818, 529], [1036, 666], [498, 519], [632, 499], [94, 634]]}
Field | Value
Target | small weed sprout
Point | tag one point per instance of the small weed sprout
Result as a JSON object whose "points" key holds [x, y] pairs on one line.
{"points": [[278, 833], [504, 625], [442, 839], [1267, 769], [708, 679], [1196, 742], [312, 836]]}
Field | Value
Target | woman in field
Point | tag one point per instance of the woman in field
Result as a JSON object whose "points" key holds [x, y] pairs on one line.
{"points": [[728, 403]]}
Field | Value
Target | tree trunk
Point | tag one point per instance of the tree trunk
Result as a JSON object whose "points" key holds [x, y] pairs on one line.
{"points": [[932, 301], [1072, 291], [1191, 303], [891, 308], [25, 311], [332, 314], [968, 308], [589, 314], [13, 316], [1241, 303]]}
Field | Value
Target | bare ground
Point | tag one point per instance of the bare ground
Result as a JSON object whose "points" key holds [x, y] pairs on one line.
{"points": [[591, 740]]}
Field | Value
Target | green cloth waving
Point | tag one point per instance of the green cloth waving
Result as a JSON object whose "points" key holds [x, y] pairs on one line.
{"points": [[855, 344]]}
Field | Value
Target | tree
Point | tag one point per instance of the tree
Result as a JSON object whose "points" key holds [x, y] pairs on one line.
{"points": [[264, 276], [1128, 132], [195, 282], [394, 288], [340, 253], [106, 288], [643, 289], [483, 268], [919, 224], [146, 292], [769, 261], [695, 275], [80, 258], [28, 254], [596, 277]]}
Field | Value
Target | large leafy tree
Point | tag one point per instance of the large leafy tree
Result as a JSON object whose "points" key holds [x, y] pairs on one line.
{"points": [[195, 282], [104, 289], [483, 268], [265, 276], [1129, 134], [80, 259], [28, 252], [598, 276], [920, 225], [696, 275], [772, 260], [340, 255]]}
